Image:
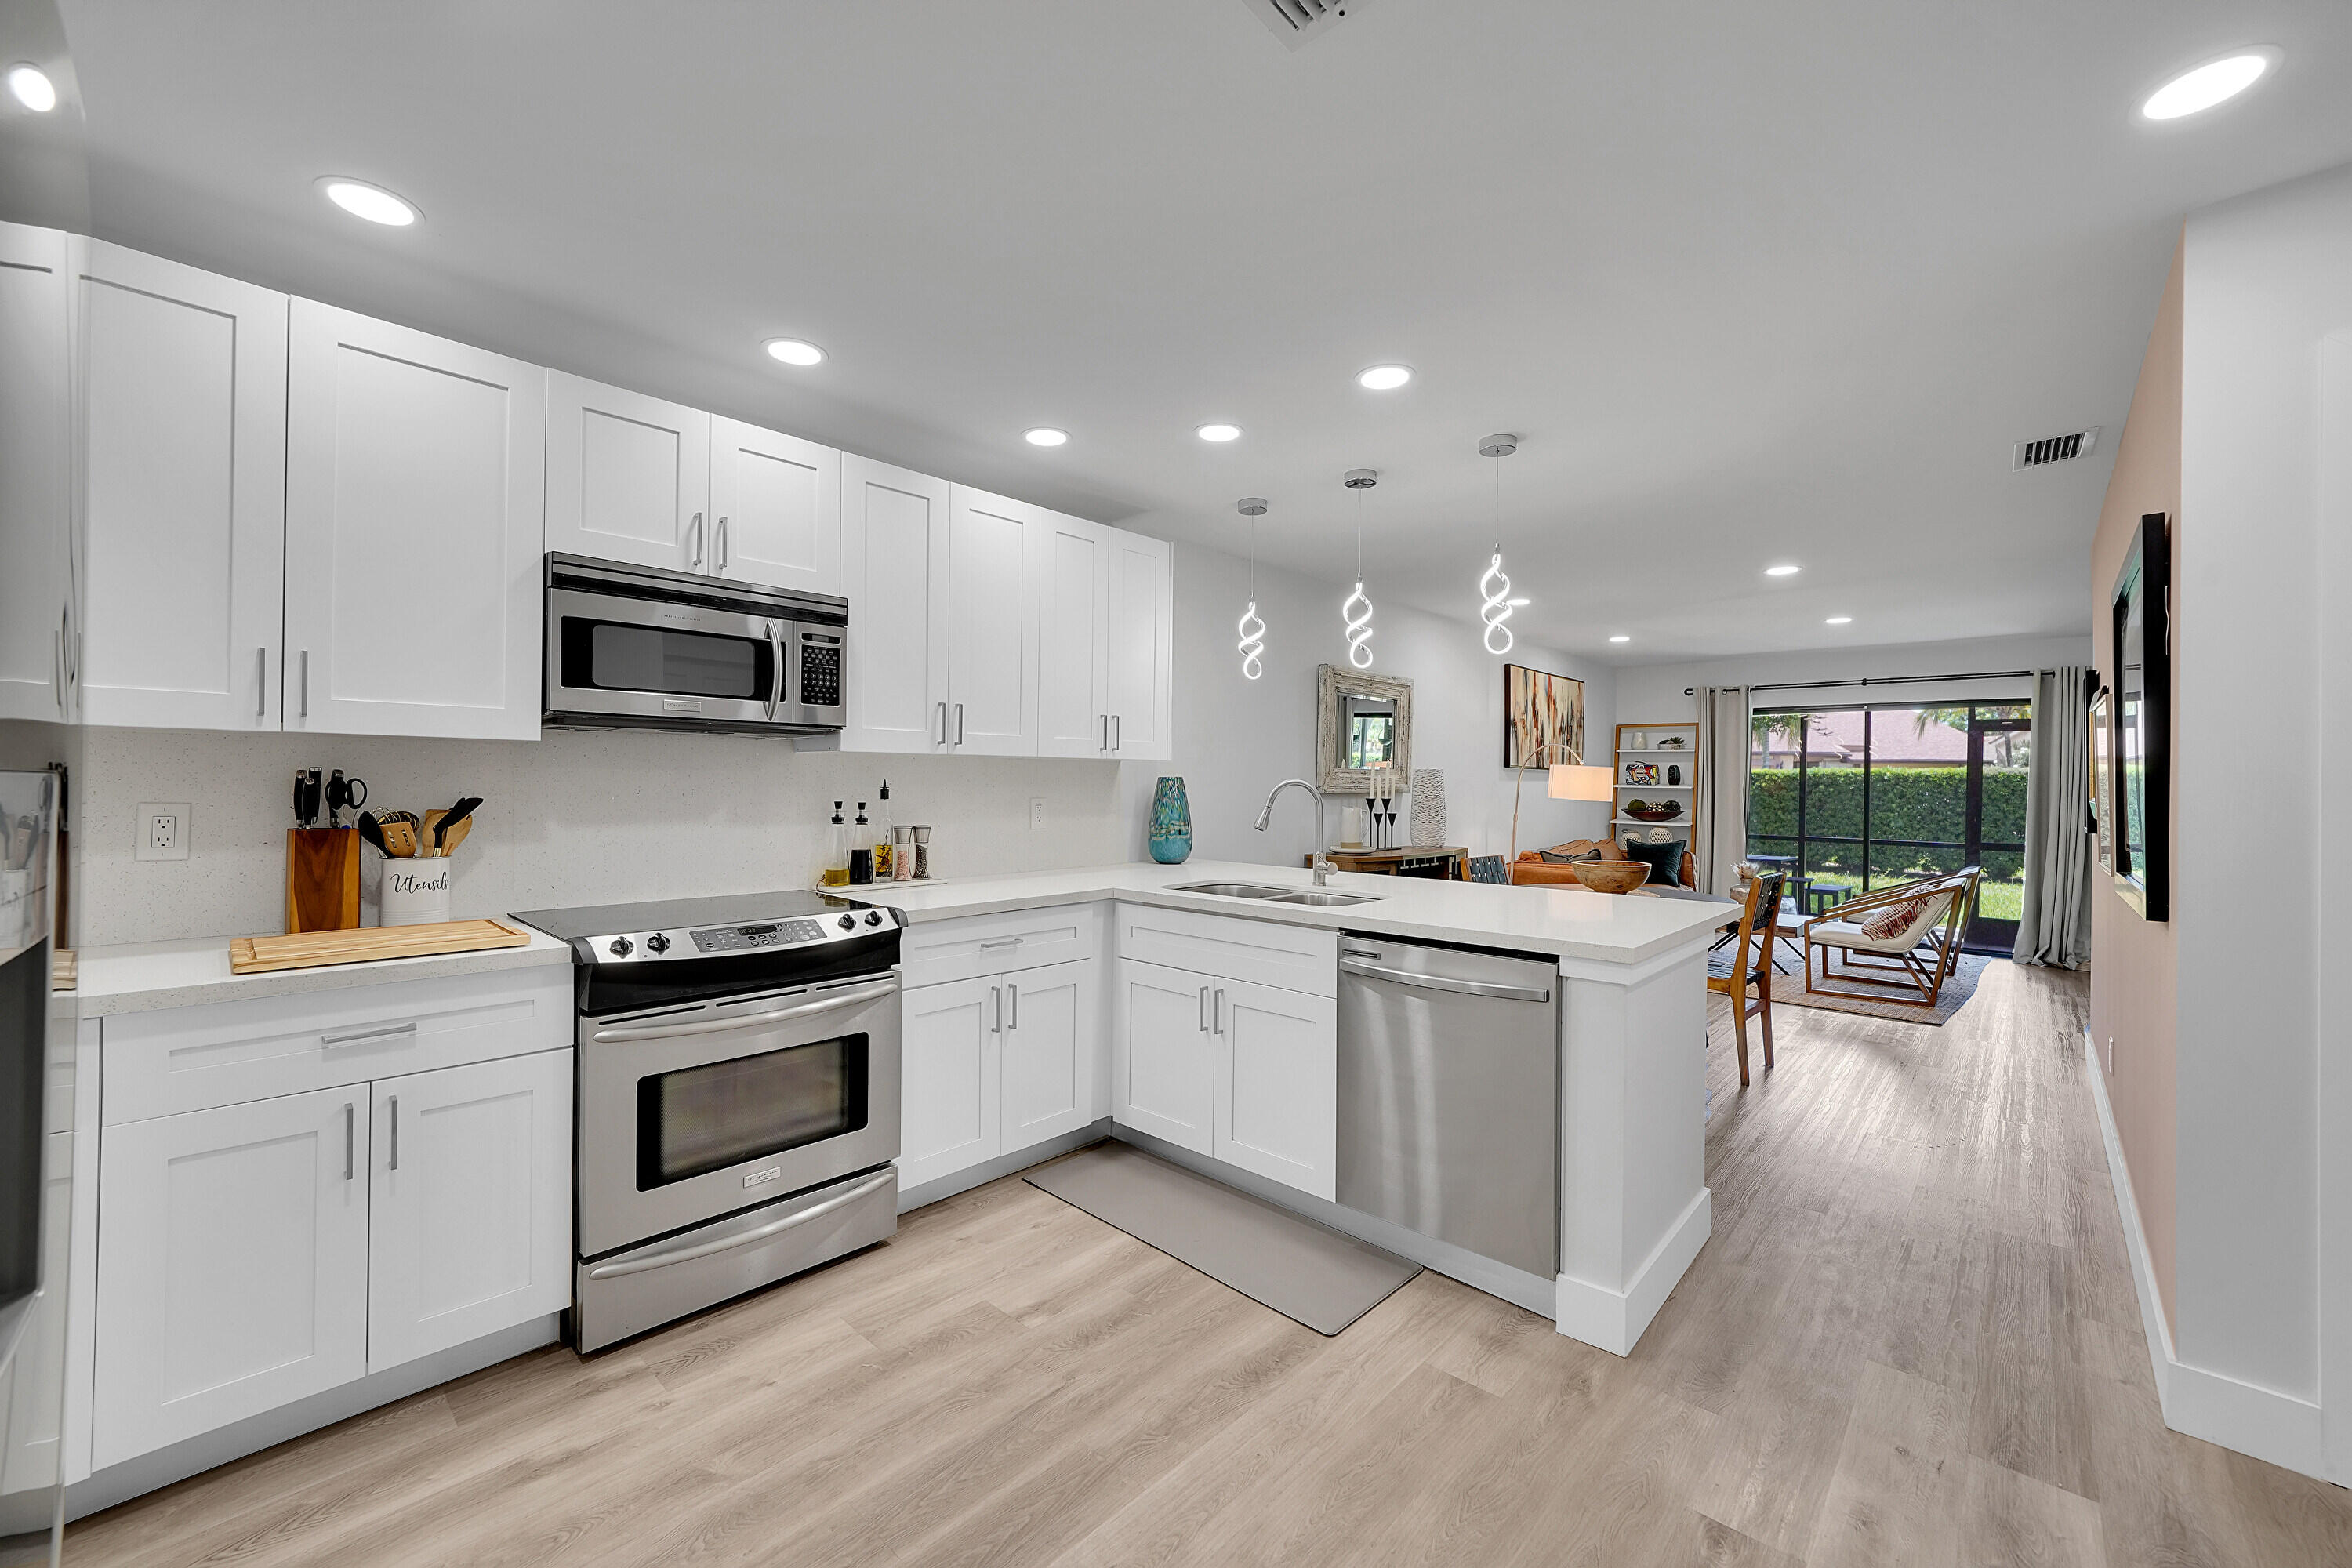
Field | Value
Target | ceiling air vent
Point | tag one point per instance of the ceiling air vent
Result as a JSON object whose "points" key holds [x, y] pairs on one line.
{"points": [[2055, 450], [1299, 22]]}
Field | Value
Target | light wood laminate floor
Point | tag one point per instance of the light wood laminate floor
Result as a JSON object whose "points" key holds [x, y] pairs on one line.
{"points": [[1912, 1340]]}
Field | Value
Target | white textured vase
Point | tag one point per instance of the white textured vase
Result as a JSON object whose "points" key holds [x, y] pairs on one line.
{"points": [[1428, 807]]}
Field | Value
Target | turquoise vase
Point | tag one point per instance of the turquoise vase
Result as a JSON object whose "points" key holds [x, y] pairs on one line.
{"points": [[1171, 823]]}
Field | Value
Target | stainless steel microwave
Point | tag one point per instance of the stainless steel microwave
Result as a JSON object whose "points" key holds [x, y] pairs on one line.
{"points": [[643, 647]]}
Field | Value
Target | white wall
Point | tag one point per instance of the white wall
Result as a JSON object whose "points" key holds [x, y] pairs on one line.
{"points": [[1235, 738], [1650, 693]]}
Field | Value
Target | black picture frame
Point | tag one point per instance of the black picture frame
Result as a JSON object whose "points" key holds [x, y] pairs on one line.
{"points": [[2140, 628]]}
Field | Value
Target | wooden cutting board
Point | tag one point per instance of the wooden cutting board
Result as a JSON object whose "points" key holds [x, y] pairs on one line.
{"points": [[315, 949]]}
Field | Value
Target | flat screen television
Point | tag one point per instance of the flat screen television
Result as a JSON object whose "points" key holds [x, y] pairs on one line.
{"points": [[2141, 717]]}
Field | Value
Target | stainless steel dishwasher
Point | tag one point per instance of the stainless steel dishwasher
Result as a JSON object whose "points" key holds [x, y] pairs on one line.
{"points": [[1449, 1095]]}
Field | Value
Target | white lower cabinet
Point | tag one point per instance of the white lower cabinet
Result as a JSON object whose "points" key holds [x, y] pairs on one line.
{"points": [[1242, 1072], [469, 1225], [233, 1266], [994, 1065]]}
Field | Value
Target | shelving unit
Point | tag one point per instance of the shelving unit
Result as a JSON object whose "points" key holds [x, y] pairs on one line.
{"points": [[1684, 757]]}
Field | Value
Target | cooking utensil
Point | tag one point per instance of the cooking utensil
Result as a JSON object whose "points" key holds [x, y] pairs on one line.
{"points": [[306, 797], [452, 837], [372, 832], [438, 823], [341, 793], [401, 833]]}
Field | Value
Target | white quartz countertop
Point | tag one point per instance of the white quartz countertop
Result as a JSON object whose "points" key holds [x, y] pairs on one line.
{"points": [[148, 976], [1568, 921]]}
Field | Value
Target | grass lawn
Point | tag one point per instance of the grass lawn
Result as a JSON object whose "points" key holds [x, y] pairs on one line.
{"points": [[1995, 900]]}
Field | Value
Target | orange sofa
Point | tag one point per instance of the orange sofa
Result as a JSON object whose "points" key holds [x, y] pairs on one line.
{"points": [[1532, 870]]}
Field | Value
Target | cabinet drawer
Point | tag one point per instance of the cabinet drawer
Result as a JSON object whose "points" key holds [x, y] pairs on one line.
{"points": [[1296, 958], [227, 1053], [996, 944]]}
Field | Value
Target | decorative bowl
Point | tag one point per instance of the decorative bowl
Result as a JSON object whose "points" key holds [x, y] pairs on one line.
{"points": [[1609, 876], [1663, 811]]}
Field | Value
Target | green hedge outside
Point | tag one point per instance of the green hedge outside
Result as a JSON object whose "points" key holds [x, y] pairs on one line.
{"points": [[1904, 803]]}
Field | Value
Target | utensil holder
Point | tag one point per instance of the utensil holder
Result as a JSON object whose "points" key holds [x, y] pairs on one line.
{"points": [[323, 878], [416, 891]]}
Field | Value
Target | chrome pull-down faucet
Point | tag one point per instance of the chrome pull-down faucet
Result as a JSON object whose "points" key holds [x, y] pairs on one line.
{"points": [[1323, 867]]}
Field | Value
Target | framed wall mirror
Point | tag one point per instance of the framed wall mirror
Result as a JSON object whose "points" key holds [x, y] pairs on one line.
{"points": [[2141, 641], [1363, 727]]}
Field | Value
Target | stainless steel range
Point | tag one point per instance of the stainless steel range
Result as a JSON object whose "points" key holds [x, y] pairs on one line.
{"points": [[737, 1097]]}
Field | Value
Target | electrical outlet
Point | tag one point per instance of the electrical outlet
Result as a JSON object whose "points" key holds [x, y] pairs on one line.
{"points": [[162, 833], [1036, 811]]}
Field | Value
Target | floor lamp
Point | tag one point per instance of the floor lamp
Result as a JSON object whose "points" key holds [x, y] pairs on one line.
{"points": [[1568, 781]]}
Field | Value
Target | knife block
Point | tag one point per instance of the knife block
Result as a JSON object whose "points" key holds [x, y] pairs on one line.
{"points": [[323, 878]]}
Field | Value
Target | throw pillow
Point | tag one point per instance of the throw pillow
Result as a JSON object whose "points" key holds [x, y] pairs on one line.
{"points": [[1665, 860], [1892, 920], [1563, 855]]}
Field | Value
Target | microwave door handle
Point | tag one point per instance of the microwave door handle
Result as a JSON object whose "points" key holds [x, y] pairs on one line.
{"points": [[776, 692], [748, 1020]]}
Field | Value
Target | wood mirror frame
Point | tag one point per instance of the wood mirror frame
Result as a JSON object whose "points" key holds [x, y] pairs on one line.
{"points": [[1334, 686]]}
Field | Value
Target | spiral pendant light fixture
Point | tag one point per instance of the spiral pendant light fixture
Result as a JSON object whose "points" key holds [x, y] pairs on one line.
{"points": [[1356, 610], [1251, 625], [1496, 603]]}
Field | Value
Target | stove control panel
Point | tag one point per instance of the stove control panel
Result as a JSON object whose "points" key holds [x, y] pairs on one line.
{"points": [[726, 941]]}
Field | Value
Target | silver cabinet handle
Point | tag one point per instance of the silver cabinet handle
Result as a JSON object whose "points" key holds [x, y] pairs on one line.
{"points": [[395, 1163], [57, 666], [996, 1009], [1103, 744], [959, 707], [381, 1032], [1203, 1024], [72, 652], [943, 723], [261, 683], [1016, 1005], [1443, 982], [720, 564], [1217, 1011], [759, 1233], [306, 683], [1000, 941], [748, 1020], [694, 550], [1118, 732], [350, 1122]]}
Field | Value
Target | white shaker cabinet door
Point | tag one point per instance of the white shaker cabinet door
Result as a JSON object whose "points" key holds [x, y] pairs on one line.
{"points": [[1141, 600], [996, 555], [233, 1267], [894, 571], [1277, 1078], [414, 511], [470, 1229], [1048, 1070], [628, 477], [1163, 1065], [776, 508], [1073, 664], [182, 505], [948, 1078], [36, 475]]}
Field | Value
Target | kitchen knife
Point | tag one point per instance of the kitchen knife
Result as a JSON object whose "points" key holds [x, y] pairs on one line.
{"points": [[306, 797]]}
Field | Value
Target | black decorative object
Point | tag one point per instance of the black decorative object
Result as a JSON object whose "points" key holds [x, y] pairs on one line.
{"points": [[1674, 773], [2141, 650]]}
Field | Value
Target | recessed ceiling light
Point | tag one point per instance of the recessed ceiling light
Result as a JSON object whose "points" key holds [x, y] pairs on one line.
{"points": [[1219, 432], [1383, 377], [31, 87], [372, 203], [1044, 435], [1783, 570], [1839, 621], [1620, 637], [793, 350], [2216, 81]]}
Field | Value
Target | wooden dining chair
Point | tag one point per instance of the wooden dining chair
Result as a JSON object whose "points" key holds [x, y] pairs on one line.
{"points": [[1748, 962]]}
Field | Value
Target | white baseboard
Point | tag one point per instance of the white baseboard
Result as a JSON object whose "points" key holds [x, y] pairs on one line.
{"points": [[1615, 1321], [2218, 1408], [987, 1171]]}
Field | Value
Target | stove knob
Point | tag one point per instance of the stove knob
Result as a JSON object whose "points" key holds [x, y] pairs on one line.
{"points": [[622, 947], [657, 943], [874, 917], [847, 921]]}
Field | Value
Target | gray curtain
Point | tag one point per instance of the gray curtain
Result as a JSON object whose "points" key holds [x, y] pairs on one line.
{"points": [[2055, 926], [1722, 836]]}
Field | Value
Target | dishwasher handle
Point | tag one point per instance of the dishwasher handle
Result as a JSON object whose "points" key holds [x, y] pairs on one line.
{"points": [[1444, 983]]}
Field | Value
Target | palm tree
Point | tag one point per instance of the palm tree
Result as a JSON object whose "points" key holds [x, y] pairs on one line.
{"points": [[1788, 728]]}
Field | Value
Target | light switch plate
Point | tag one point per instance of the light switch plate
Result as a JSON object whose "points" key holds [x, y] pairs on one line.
{"points": [[1037, 811], [163, 832]]}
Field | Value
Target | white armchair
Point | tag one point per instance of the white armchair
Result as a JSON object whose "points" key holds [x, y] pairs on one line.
{"points": [[1899, 943]]}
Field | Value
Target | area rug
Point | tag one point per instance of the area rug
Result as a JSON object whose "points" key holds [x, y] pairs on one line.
{"points": [[1788, 991], [1309, 1273]]}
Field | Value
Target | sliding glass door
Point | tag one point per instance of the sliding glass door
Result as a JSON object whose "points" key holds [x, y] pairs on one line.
{"points": [[1857, 798]]}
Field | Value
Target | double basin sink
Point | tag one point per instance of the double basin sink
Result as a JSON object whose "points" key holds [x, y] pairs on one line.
{"points": [[1277, 894]]}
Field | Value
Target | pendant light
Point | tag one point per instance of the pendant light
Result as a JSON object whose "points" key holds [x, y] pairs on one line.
{"points": [[1495, 585], [1251, 625], [1356, 610]]}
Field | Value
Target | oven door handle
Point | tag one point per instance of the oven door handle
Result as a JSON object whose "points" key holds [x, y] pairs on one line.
{"points": [[758, 1233], [717, 1025]]}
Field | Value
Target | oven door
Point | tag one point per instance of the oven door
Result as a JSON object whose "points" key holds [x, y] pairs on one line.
{"points": [[690, 1113], [619, 656]]}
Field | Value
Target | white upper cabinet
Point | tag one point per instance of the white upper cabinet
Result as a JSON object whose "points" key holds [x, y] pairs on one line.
{"points": [[1073, 664], [996, 555], [894, 571], [36, 475], [1139, 596], [182, 504], [628, 477], [775, 505], [413, 519]]}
